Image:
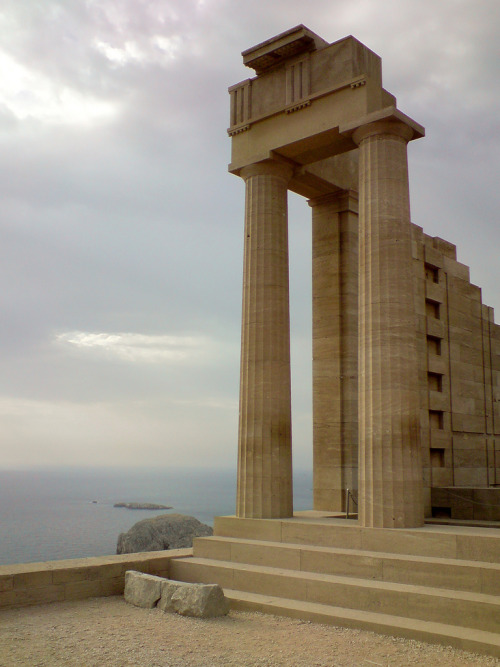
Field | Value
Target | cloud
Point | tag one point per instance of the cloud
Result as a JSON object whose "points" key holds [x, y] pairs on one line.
{"points": [[134, 348], [209, 402], [122, 233], [26, 94], [159, 50]]}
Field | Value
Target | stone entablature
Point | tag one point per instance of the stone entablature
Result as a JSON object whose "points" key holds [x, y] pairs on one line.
{"points": [[298, 75], [330, 84]]}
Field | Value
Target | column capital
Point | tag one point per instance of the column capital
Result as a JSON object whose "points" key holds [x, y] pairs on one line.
{"points": [[267, 168], [389, 121], [380, 127], [342, 200]]}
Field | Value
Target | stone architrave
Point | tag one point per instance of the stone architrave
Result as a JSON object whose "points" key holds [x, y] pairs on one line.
{"points": [[390, 470], [265, 446]]}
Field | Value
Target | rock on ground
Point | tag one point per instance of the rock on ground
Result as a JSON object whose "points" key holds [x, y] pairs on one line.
{"points": [[142, 590], [167, 531], [196, 600], [187, 599]]}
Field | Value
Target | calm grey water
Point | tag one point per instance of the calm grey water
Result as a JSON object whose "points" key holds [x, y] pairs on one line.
{"points": [[50, 514]]}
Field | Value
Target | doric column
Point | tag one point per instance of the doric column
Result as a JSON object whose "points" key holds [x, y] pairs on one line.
{"points": [[390, 471], [265, 442], [335, 348]]}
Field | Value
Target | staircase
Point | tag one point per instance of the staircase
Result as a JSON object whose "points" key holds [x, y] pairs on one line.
{"points": [[439, 584]]}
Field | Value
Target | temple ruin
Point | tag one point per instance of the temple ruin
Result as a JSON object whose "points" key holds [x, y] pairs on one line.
{"points": [[405, 372], [406, 357]]}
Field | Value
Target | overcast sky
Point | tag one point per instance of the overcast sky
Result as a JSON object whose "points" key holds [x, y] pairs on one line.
{"points": [[122, 232]]}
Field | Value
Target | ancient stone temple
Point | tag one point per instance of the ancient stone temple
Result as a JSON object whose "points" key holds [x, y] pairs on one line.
{"points": [[406, 358], [406, 371]]}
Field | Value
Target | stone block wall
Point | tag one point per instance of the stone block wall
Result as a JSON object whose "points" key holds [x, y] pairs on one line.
{"points": [[53, 581], [459, 358], [458, 349], [471, 504]]}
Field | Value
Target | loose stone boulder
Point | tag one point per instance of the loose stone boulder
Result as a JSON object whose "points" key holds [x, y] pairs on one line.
{"points": [[186, 599], [142, 590], [198, 600], [166, 531]]}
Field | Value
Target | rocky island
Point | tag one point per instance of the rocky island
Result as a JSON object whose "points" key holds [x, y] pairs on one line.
{"points": [[142, 506], [166, 531]]}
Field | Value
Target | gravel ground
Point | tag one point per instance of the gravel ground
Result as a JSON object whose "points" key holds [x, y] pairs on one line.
{"points": [[107, 632]]}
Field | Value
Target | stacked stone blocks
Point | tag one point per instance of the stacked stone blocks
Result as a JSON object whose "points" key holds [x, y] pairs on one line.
{"points": [[53, 581]]}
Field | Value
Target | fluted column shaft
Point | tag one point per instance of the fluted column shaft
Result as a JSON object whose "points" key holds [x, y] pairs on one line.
{"points": [[335, 348], [390, 471], [265, 443]]}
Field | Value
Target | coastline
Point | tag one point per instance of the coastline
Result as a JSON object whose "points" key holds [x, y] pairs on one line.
{"points": [[47, 514]]}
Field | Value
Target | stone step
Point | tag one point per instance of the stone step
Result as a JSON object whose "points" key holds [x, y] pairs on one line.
{"points": [[318, 529], [474, 640], [419, 570], [460, 608]]}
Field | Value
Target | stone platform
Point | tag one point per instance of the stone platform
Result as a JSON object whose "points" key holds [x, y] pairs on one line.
{"points": [[438, 584]]}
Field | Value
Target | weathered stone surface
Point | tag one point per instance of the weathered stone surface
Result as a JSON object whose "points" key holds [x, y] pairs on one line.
{"points": [[199, 600], [167, 531], [265, 431], [335, 348], [142, 590], [390, 468]]}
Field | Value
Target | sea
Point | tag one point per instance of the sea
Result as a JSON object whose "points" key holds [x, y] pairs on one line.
{"points": [[59, 513]]}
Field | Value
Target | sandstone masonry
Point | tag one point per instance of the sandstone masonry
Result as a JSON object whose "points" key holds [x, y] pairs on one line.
{"points": [[406, 357]]}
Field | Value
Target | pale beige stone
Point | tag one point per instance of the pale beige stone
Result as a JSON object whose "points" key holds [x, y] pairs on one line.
{"points": [[196, 600], [34, 583], [428, 349], [389, 445], [265, 429], [142, 590], [335, 348]]}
